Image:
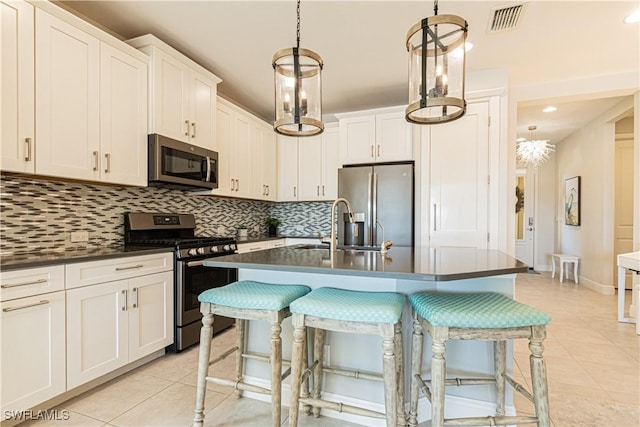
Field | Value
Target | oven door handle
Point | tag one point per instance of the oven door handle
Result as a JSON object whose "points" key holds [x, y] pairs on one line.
{"points": [[195, 263], [208, 177]]}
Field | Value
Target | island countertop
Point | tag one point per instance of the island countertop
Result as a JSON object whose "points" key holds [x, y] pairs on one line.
{"points": [[426, 264]]}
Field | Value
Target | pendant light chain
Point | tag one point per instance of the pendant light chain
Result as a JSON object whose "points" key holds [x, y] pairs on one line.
{"points": [[298, 30]]}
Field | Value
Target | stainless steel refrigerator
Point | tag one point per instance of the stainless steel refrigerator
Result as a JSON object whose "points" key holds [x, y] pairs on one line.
{"points": [[377, 192]]}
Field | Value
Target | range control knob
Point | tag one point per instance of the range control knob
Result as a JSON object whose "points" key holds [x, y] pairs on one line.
{"points": [[226, 247], [214, 249], [201, 251], [192, 252], [233, 246]]}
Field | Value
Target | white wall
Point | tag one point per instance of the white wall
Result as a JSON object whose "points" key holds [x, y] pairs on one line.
{"points": [[545, 214], [589, 153]]}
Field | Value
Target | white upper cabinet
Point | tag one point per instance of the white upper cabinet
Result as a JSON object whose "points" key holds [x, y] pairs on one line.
{"points": [[67, 100], [309, 166], [247, 165], [182, 95], [17, 87], [375, 136]]}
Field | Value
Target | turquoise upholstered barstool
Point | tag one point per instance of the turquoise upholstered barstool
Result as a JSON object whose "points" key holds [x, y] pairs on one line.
{"points": [[329, 309], [476, 316], [245, 300]]}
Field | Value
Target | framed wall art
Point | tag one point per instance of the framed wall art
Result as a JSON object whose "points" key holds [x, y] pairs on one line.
{"points": [[572, 201]]}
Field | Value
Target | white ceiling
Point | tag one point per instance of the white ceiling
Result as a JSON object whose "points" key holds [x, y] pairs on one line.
{"points": [[362, 44]]}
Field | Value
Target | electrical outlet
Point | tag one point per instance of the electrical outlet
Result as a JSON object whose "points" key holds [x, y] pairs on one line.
{"points": [[326, 355], [79, 236]]}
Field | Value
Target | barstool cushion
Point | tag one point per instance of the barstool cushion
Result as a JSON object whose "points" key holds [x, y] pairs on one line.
{"points": [[482, 310], [357, 306], [254, 295]]}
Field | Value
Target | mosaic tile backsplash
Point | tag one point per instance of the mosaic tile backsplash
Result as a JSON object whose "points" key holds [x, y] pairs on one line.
{"points": [[40, 214]]}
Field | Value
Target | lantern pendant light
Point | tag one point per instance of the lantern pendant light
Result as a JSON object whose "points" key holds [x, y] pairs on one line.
{"points": [[437, 54], [298, 90]]}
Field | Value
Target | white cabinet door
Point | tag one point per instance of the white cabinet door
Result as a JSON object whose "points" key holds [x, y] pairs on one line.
{"points": [[243, 248], [97, 331], [241, 157], [330, 163], [33, 356], [358, 134], [17, 87], [202, 107], [150, 314], [169, 97], [269, 163], [393, 138], [225, 133], [310, 168], [459, 180], [123, 117], [287, 168], [258, 188], [67, 99]]}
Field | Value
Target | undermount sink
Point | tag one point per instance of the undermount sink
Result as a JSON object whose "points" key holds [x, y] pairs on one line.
{"points": [[341, 248]]}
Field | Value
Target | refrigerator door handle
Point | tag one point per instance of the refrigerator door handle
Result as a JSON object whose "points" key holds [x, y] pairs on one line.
{"points": [[369, 231], [435, 210], [374, 217]]}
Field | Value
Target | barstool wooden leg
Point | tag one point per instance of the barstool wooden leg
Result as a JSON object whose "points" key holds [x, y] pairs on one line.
{"points": [[296, 367], [416, 370], [539, 375], [241, 329], [203, 368], [402, 416], [304, 392], [500, 366], [276, 372], [318, 354], [438, 374], [389, 374]]}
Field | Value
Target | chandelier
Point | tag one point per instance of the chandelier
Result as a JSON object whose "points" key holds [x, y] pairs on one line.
{"points": [[436, 47], [534, 152], [298, 87]]}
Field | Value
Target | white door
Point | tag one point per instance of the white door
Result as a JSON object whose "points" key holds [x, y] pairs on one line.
{"points": [[459, 180], [67, 100], [287, 168], [310, 167], [359, 136], [202, 114], [150, 314], [224, 131], [525, 220], [393, 138], [97, 331], [623, 229], [170, 97], [17, 88], [241, 158], [33, 357], [270, 163], [123, 117], [330, 163]]}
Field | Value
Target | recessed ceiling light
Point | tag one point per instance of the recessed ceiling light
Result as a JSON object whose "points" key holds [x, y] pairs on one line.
{"points": [[633, 17], [521, 139], [549, 109]]}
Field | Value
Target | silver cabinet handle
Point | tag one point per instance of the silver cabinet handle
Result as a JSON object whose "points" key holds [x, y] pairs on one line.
{"points": [[195, 263], [317, 190], [232, 184], [129, 268], [193, 127], [378, 150], [267, 190], [8, 309], [434, 216], [372, 151], [95, 158], [264, 190], [237, 185], [107, 159], [27, 143], [323, 190], [135, 297], [186, 133], [255, 249], [294, 191], [33, 282], [124, 306]]}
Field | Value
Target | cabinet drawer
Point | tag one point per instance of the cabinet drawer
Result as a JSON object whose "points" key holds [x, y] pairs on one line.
{"points": [[90, 273], [252, 247], [31, 281], [276, 243]]}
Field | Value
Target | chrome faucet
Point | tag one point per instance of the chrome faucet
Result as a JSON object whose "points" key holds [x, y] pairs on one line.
{"points": [[386, 244], [334, 241]]}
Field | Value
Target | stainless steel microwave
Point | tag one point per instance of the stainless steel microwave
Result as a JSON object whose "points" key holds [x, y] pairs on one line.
{"points": [[176, 162]]}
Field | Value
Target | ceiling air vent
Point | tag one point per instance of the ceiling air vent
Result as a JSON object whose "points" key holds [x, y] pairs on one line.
{"points": [[505, 18]]}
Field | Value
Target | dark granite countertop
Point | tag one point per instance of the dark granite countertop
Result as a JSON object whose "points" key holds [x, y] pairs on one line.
{"points": [[255, 237], [442, 264], [55, 257]]}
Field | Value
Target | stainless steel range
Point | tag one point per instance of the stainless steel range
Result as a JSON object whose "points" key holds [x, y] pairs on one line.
{"points": [[191, 277]]}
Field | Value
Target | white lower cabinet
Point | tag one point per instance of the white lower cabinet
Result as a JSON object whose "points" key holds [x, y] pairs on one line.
{"points": [[33, 354], [115, 323]]}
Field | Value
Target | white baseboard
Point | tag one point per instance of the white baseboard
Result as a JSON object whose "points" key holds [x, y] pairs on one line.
{"points": [[597, 287]]}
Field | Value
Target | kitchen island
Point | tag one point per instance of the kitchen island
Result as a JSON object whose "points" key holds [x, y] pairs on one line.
{"points": [[404, 270]]}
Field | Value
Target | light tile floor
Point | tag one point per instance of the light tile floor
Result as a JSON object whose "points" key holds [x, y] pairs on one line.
{"points": [[592, 362]]}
